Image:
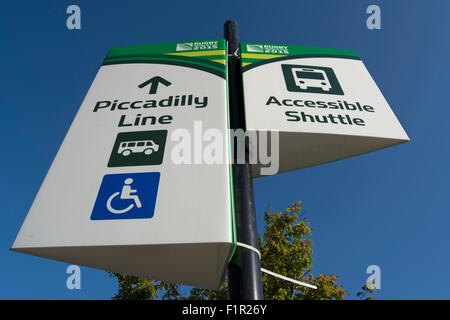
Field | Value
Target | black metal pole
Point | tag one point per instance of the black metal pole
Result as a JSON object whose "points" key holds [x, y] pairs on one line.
{"points": [[244, 270]]}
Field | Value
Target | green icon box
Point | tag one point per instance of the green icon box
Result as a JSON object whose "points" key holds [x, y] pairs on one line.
{"points": [[311, 79], [141, 148]]}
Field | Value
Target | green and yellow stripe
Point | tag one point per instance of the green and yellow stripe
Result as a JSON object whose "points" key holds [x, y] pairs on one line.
{"points": [[217, 56], [213, 61], [249, 58]]}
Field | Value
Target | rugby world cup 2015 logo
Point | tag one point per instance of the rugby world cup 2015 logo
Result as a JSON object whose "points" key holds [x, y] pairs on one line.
{"points": [[185, 46]]}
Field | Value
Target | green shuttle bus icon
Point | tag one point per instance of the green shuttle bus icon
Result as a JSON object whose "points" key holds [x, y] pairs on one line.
{"points": [[141, 148], [311, 79]]}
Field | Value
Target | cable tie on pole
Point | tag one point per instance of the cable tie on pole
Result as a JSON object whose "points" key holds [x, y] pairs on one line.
{"points": [[246, 246], [249, 247], [234, 54], [288, 279]]}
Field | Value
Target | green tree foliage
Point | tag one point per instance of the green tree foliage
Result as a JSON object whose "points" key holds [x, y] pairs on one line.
{"points": [[135, 288], [366, 293], [286, 249]]}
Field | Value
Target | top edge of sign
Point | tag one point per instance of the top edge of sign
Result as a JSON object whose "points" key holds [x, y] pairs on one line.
{"points": [[254, 54], [169, 47], [283, 49], [207, 55]]}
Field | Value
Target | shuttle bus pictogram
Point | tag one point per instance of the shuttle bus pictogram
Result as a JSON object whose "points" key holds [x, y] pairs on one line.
{"points": [[128, 147], [311, 78]]}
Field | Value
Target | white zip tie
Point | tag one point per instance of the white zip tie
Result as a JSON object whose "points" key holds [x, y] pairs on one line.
{"points": [[288, 279], [246, 246]]}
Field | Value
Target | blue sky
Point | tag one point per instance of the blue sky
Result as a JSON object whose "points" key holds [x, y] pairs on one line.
{"points": [[388, 208]]}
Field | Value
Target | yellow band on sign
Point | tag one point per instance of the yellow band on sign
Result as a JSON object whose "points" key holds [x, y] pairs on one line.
{"points": [[261, 56], [199, 53], [222, 61]]}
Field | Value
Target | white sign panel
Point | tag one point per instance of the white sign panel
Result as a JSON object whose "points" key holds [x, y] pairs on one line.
{"points": [[126, 191], [323, 102]]}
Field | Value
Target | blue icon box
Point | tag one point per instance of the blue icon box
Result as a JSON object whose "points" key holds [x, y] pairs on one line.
{"points": [[126, 196]]}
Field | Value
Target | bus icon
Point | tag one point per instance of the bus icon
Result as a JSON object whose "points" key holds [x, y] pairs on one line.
{"points": [[138, 148], [311, 79], [128, 147]]}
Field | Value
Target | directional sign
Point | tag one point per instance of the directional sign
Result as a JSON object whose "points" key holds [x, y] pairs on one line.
{"points": [[117, 196], [323, 102]]}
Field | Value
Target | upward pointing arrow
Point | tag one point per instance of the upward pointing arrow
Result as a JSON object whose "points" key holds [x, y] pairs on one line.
{"points": [[153, 82]]}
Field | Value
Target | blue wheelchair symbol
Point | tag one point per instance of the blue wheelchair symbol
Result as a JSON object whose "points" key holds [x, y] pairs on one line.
{"points": [[120, 196]]}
